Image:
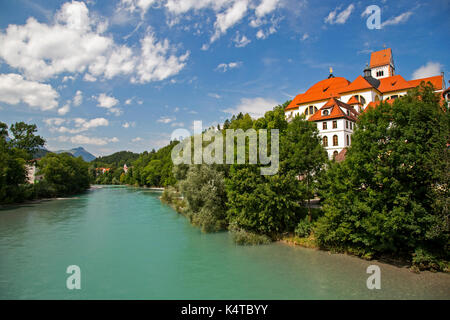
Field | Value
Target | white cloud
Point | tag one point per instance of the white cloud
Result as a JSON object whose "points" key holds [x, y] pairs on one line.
{"points": [[229, 18], [305, 37], [266, 7], [137, 139], [79, 124], [166, 120], [82, 139], [156, 63], [127, 125], [255, 107], [339, 18], [177, 124], [137, 5], [214, 95], [224, 67], [398, 19], [64, 110], [75, 43], [108, 102], [128, 101], [428, 70], [241, 41], [78, 99], [89, 78], [14, 89]]}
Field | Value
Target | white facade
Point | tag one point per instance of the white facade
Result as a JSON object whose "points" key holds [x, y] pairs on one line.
{"points": [[382, 72], [343, 130]]}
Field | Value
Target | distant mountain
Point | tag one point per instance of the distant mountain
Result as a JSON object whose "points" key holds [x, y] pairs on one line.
{"points": [[79, 152], [40, 153]]}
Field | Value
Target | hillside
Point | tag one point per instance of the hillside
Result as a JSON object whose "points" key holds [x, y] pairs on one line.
{"points": [[117, 159]]}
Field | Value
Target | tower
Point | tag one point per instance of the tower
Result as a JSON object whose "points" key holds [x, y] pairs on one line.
{"points": [[382, 64]]}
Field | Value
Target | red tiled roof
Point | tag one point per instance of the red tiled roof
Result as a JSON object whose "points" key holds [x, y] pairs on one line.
{"points": [[394, 83], [353, 101], [435, 81], [381, 58], [375, 104], [359, 84], [341, 155], [322, 90], [335, 112]]}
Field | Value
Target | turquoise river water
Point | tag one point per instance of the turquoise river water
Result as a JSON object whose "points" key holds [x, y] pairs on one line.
{"points": [[130, 246]]}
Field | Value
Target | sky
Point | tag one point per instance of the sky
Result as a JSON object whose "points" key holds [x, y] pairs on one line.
{"points": [[124, 74]]}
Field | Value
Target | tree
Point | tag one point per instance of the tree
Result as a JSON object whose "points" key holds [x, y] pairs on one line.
{"points": [[303, 155], [24, 137], [204, 192], [386, 196], [64, 174]]}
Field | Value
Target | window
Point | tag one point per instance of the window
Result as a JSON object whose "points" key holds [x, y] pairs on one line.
{"points": [[324, 126], [346, 124], [335, 154], [380, 73], [311, 110], [360, 99], [351, 125], [394, 97], [325, 112], [325, 141], [335, 140], [348, 140], [334, 124]]}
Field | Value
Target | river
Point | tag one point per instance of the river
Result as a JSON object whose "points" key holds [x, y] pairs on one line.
{"points": [[130, 246]]}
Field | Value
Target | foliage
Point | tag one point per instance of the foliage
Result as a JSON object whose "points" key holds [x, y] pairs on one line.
{"points": [[304, 228], [387, 197], [64, 174], [243, 237], [116, 160], [24, 138], [204, 192]]}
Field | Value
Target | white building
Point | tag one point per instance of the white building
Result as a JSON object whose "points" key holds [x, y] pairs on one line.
{"points": [[344, 100]]}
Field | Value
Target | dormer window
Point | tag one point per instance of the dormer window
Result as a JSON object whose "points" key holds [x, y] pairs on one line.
{"points": [[325, 112]]}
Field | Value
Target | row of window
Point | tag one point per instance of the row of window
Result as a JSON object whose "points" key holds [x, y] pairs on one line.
{"points": [[348, 125], [335, 141], [380, 73]]}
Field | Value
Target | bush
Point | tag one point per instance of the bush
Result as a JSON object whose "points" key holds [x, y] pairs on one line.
{"points": [[243, 237], [304, 228]]}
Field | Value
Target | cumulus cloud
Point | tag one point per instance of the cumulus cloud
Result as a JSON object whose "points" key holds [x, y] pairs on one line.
{"points": [[398, 19], [137, 5], [109, 103], [78, 99], [75, 43], [14, 89], [82, 139], [255, 107], [339, 18], [428, 70], [224, 67], [228, 12], [78, 125], [127, 125], [64, 110], [229, 18], [137, 139]]}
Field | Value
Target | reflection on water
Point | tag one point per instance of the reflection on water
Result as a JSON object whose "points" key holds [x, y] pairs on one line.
{"points": [[130, 246]]}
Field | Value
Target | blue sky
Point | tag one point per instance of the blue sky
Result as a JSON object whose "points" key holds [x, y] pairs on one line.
{"points": [[123, 74]]}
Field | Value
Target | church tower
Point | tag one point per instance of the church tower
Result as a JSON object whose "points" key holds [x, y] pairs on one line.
{"points": [[382, 64]]}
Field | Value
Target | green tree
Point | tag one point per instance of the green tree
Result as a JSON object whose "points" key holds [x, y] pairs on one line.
{"points": [[64, 174], [386, 197], [303, 155], [24, 138]]}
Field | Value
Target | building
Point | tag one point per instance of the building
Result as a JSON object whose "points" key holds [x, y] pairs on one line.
{"points": [[335, 103], [125, 168]]}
